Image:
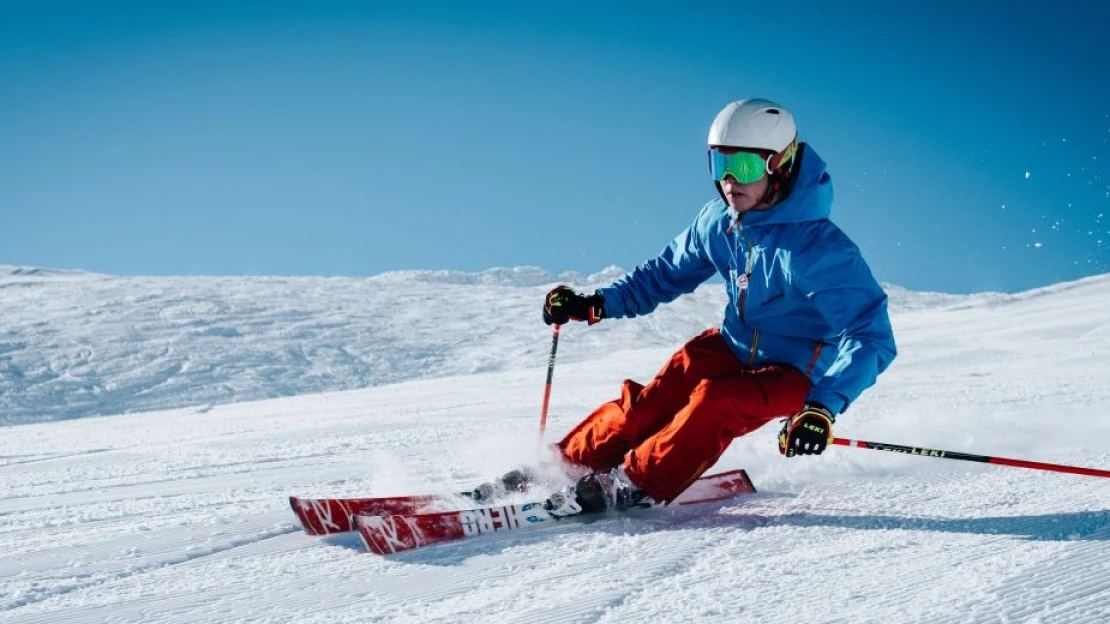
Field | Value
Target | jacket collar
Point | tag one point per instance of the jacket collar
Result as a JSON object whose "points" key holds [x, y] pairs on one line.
{"points": [[809, 200]]}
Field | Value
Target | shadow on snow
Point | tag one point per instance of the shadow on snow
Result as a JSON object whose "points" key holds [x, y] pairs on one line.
{"points": [[1058, 527], [1082, 525]]}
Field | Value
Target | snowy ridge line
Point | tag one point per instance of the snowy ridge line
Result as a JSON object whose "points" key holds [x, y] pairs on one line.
{"points": [[80, 345], [523, 276], [911, 300], [16, 273]]}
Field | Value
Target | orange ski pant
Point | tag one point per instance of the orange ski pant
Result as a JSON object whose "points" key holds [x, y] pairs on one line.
{"points": [[672, 430]]}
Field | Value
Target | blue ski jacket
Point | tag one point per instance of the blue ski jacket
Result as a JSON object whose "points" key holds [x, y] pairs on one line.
{"points": [[799, 291]]}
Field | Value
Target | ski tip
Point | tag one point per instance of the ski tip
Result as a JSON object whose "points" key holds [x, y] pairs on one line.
{"points": [[295, 505], [737, 480], [320, 516], [748, 480]]}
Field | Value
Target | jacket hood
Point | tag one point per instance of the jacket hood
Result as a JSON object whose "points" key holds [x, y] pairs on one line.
{"points": [[810, 199]]}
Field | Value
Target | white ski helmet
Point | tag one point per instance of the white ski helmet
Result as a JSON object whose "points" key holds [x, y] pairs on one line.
{"points": [[756, 124]]}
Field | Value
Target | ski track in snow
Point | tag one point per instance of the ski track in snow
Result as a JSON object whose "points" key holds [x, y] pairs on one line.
{"points": [[181, 515]]}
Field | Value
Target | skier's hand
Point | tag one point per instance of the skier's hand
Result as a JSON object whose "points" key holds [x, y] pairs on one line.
{"points": [[808, 432], [563, 304]]}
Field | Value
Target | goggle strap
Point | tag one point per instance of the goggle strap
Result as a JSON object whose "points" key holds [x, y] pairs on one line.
{"points": [[776, 161]]}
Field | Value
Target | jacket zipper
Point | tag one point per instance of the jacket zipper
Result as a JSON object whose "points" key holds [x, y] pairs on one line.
{"points": [[748, 258], [747, 264]]}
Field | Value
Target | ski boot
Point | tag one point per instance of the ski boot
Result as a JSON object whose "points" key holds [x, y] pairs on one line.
{"points": [[598, 491], [512, 482]]}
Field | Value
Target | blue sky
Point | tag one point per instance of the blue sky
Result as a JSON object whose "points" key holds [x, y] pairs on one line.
{"points": [[968, 144]]}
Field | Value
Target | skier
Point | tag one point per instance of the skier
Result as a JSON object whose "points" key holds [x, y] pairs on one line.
{"points": [[805, 331]]}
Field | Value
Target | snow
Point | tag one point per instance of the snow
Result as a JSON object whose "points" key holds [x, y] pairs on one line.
{"points": [[430, 381]]}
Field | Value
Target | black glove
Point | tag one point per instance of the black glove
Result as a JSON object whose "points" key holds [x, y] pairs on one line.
{"points": [[808, 432], [563, 304]]}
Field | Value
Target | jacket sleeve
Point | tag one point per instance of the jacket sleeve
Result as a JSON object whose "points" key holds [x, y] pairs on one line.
{"points": [[843, 290], [677, 270]]}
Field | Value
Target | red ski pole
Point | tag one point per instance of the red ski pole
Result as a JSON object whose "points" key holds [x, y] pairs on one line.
{"points": [[986, 459], [550, 374]]}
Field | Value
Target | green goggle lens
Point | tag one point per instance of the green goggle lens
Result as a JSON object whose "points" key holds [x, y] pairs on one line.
{"points": [[746, 167]]}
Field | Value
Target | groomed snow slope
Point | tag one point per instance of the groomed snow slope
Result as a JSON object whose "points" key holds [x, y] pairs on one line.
{"points": [[76, 344], [181, 515]]}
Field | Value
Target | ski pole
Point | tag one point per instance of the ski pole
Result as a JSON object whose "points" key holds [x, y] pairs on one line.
{"points": [[550, 374], [987, 459]]}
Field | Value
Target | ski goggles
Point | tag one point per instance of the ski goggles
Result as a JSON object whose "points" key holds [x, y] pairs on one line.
{"points": [[745, 167]]}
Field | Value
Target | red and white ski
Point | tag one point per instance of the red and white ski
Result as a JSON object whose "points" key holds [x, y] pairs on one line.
{"points": [[388, 534], [322, 516]]}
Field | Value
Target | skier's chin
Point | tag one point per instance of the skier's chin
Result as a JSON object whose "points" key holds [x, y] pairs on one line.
{"points": [[740, 203]]}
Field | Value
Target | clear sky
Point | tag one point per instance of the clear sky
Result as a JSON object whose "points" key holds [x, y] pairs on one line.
{"points": [[968, 142]]}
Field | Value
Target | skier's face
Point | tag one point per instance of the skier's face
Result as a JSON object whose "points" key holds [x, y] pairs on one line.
{"points": [[743, 197]]}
